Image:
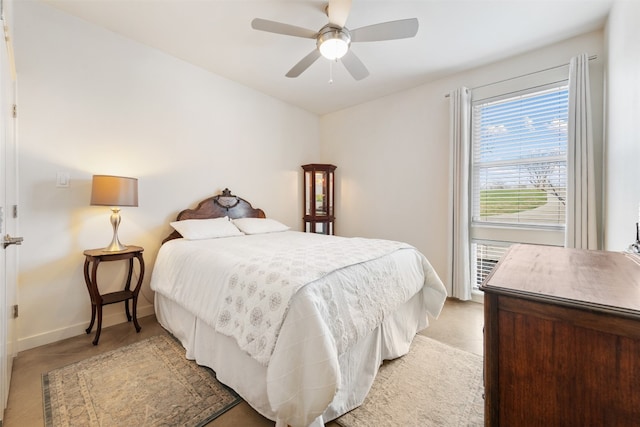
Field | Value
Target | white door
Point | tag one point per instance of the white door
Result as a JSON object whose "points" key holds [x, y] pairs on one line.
{"points": [[8, 215]]}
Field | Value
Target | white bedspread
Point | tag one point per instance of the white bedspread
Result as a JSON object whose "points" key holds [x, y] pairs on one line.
{"points": [[341, 306], [258, 291]]}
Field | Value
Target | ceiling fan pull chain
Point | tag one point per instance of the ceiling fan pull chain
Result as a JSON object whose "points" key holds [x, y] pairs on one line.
{"points": [[331, 72]]}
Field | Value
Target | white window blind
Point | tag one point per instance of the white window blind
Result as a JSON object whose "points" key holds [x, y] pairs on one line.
{"points": [[519, 173], [519, 160]]}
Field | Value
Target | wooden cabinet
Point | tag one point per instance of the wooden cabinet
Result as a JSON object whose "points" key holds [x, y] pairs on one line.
{"points": [[318, 198], [562, 338]]}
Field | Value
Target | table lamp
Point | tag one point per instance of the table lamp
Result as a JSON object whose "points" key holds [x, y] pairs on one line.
{"points": [[114, 191]]}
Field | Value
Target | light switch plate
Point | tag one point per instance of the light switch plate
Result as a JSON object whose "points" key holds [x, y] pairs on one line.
{"points": [[62, 179]]}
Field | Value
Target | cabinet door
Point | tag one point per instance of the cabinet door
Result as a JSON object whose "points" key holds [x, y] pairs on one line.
{"points": [[558, 365]]}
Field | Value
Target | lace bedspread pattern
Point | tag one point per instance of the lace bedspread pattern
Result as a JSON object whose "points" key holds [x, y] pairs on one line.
{"points": [[258, 292]]}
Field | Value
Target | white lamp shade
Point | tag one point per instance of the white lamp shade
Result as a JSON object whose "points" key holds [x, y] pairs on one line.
{"points": [[109, 190]]}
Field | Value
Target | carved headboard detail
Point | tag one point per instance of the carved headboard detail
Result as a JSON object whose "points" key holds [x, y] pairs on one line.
{"points": [[224, 204]]}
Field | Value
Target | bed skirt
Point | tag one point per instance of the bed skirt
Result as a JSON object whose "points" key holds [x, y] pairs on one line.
{"points": [[236, 369]]}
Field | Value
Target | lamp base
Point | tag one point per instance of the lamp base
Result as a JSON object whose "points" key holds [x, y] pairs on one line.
{"points": [[115, 245]]}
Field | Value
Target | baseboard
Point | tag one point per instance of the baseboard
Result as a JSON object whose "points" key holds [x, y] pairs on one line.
{"points": [[77, 329], [477, 296]]}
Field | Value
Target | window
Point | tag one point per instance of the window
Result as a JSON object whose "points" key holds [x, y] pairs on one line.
{"points": [[519, 172]]}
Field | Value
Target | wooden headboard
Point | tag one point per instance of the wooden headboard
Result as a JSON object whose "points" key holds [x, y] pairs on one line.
{"points": [[224, 204]]}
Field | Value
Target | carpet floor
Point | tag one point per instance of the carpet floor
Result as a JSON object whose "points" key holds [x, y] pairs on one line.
{"points": [[148, 383], [433, 385]]}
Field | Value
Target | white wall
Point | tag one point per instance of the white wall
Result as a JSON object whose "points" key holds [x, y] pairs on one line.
{"points": [[393, 153], [622, 159], [92, 102]]}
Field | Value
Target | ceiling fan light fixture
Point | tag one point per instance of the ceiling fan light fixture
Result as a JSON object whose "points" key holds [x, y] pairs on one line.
{"points": [[333, 42]]}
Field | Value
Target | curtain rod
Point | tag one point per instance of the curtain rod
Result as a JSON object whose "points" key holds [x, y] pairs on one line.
{"points": [[591, 58]]}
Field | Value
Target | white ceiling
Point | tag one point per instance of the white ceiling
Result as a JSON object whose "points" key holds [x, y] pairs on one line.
{"points": [[454, 35]]}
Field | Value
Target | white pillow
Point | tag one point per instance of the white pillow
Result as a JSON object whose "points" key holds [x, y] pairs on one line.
{"points": [[259, 225], [197, 229]]}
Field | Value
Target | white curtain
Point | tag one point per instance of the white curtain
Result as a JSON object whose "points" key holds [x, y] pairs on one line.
{"points": [[581, 204], [460, 143]]}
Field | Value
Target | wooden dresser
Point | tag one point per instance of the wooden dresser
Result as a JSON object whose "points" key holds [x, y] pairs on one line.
{"points": [[562, 338]]}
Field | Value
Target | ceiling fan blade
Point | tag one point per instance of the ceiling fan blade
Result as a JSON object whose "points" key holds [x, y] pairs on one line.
{"points": [[304, 63], [392, 30], [280, 28], [354, 66], [338, 12]]}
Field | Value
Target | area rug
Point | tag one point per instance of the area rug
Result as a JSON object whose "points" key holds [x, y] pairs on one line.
{"points": [[149, 383], [433, 385]]}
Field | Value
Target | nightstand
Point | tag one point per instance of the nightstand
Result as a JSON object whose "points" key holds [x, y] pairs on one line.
{"points": [[93, 258]]}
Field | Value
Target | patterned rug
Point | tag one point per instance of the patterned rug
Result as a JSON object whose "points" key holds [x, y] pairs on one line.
{"points": [[433, 385], [149, 383]]}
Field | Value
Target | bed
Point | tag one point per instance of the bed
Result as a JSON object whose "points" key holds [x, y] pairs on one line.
{"points": [[296, 323]]}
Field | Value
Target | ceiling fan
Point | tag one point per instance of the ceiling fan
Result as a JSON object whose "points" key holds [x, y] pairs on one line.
{"points": [[334, 39]]}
